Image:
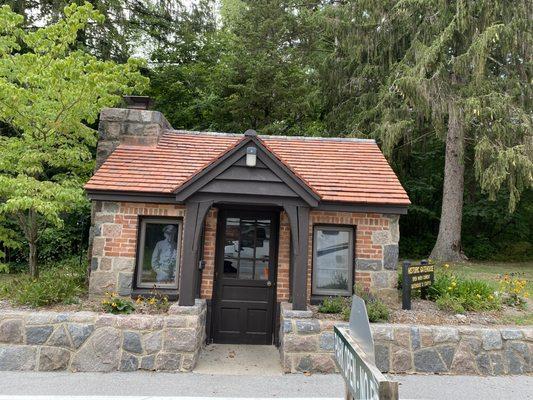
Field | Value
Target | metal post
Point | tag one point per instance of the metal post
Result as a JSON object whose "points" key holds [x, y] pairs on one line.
{"points": [[406, 286]]}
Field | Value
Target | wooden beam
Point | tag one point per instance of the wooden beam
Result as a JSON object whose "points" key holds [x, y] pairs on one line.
{"points": [[299, 222], [195, 214]]}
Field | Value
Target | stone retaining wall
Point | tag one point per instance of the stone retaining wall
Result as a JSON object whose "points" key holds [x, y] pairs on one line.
{"points": [[306, 344], [88, 341]]}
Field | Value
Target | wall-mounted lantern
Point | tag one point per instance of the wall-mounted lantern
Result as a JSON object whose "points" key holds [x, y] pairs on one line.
{"points": [[251, 156]]}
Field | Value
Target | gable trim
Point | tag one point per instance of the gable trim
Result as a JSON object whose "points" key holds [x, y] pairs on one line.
{"points": [[211, 171]]}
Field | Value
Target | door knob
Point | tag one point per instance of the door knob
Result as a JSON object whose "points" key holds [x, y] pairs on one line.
{"points": [[269, 283]]}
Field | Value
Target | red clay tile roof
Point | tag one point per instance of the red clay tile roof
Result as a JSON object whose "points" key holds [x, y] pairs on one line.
{"points": [[340, 170]]}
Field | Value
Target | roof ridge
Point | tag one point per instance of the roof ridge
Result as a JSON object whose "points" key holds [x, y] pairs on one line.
{"points": [[285, 137]]}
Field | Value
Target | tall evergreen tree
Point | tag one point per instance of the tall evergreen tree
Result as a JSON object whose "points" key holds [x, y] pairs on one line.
{"points": [[461, 67]]}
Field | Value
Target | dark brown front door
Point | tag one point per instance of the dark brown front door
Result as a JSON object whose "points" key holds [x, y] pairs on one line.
{"points": [[245, 277]]}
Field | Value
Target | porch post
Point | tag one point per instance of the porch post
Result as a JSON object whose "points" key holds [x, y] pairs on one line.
{"points": [[195, 213], [299, 221]]}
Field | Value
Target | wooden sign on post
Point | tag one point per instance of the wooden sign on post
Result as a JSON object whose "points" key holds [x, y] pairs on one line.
{"points": [[416, 277]]}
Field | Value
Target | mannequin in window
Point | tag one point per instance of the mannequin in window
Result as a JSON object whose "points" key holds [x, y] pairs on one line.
{"points": [[164, 255]]}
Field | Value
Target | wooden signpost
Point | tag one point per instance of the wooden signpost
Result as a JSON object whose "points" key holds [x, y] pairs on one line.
{"points": [[416, 277]]}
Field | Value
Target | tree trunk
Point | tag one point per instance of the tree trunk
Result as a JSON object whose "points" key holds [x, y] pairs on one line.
{"points": [[448, 245], [32, 235], [34, 271]]}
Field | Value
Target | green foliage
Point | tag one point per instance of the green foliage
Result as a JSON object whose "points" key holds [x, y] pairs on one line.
{"points": [[49, 95], [114, 304], [376, 309], [332, 305], [60, 283], [454, 293]]}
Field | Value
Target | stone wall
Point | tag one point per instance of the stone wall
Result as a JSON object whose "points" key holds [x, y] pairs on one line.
{"points": [[306, 344], [88, 341]]}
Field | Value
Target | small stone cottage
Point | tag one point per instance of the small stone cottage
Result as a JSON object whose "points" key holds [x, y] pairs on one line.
{"points": [[244, 221]]}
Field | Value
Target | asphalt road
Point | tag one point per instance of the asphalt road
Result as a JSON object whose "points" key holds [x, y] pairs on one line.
{"points": [[145, 385]]}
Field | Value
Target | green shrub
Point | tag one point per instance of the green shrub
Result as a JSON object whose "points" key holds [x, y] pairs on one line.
{"points": [[332, 305], [62, 283], [114, 304], [377, 310], [454, 293]]}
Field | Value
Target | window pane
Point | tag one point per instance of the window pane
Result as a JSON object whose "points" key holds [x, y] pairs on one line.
{"points": [[232, 237], [262, 248], [160, 254], [333, 260], [261, 270], [246, 268], [230, 267], [247, 238]]}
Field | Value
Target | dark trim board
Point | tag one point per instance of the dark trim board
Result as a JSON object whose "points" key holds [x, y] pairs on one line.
{"points": [[136, 197]]}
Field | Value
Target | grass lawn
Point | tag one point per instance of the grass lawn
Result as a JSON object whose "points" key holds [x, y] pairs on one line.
{"points": [[491, 271]]}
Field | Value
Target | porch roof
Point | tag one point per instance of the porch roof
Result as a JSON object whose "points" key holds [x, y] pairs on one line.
{"points": [[342, 170]]}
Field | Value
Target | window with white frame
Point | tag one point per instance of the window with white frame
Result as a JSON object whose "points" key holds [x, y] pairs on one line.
{"points": [[158, 255], [333, 260]]}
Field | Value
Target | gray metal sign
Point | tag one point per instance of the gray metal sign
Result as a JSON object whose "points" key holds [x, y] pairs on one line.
{"points": [[363, 380]]}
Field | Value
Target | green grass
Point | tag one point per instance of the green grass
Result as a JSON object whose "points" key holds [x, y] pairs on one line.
{"points": [[491, 271]]}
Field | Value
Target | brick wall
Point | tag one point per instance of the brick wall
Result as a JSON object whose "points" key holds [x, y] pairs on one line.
{"points": [[116, 230]]}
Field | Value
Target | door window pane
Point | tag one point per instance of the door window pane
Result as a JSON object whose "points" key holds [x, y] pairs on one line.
{"points": [[158, 260], [333, 260], [247, 248]]}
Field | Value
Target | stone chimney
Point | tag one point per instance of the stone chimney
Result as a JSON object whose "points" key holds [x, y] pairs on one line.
{"points": [[130, 126]]}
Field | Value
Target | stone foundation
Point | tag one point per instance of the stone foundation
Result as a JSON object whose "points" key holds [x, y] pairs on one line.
{"points": [[306, 345], [96, 342]]}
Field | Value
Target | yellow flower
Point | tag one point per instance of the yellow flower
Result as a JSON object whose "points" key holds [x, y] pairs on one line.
{"points": [[449, 288], [454, 284], [491, 297], [446, 266], [152, 301], [526, 295], [139, 300], [114, 304], [478, 296]]}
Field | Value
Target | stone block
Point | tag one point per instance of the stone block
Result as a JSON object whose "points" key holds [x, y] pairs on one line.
{"points": [[79, 333], [17, 358], [447, 353], [463, 362], [382, 356], [11, 331], [177, 340], [123, 264], [498, 364], [415, 338], [153, 342], [511, 334], [381, 332], [401, 359], [297, 343], [426, 336], [188, 361], [148, 363], [484, 365], [321, 363], [390, 256], [38, 334], [100, 353], [309, 326], [95, 262], [428, 360], [168, 362], [287, 326], [326, 341], [45, 318], [402, 336], [110, 207], [140, 322], [106, 263], [445, 335], [394, 227], [472, 343], [53, 359], [60, 337], [178, 321], [288, 312], [125, 281], [101, 282], [363, 264], [132, 342], [492, 339], [196, 309], [98, 246], [381, 237], [128, 363]]}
